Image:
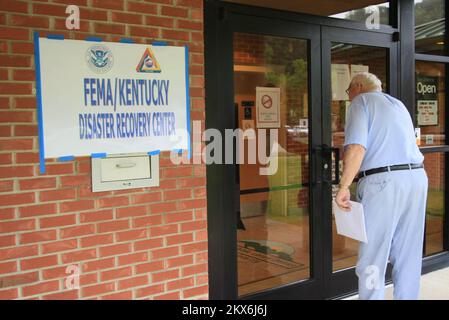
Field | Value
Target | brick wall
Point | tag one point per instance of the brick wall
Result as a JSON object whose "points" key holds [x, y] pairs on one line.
{"points": [[148, 243]]}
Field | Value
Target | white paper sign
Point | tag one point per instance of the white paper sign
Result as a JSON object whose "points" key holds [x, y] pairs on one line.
{"points": [[427, 112], [268, 107], [340, 81], [105, 97], [357, 68]]}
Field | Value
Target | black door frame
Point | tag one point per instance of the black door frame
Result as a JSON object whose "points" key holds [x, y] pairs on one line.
{"points": [[345, 281], [220, 19]]}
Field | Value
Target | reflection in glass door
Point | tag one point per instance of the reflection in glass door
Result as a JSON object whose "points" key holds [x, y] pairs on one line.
{"points": [[347, 60], [273, 222]]}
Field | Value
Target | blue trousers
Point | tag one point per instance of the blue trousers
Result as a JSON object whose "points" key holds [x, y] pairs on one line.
{"points": [[394, 205]]}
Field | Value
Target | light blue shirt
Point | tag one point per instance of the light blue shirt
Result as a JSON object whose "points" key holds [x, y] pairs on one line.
{"points": [[382, 124]]}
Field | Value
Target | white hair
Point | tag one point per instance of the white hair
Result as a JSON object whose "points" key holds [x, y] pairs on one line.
{"points": [[368, 80]]}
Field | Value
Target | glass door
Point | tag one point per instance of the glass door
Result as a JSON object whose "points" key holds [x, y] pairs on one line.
{"points": [[346, 53], [275, 110]]}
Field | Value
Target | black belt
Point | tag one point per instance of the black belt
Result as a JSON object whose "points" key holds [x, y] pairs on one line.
{"points": [[390, 168]]}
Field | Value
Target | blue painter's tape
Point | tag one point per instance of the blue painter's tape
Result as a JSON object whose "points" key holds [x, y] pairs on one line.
{"points": [[154, 153], [98, 155], [56, 36], [66, 158], [40, 123], [189, 151], [159, 43], [126, 40], [94, 39]]}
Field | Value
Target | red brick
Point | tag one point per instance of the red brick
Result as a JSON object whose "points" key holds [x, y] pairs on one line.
{"points": [[148, 244], [38, 263], [6, 185], [159, 21], [98, 264], [95, 216], [40, 288], [15, 61], [14, 33], [131, 212], [87, 279], [54, 195], [8, 267], [115, 274], [58, 221], [113, 202], [149, 267], [132, 258], [188, 293], [97, 240], [29, 21], [164, 252], [25, 130], [164, 275], [194, 225], [133, 282], [25, 103], [6, 158], [115, 250], [131, 235], [19, 279], [15, 226], [9, 294], [22, 48], [97, 289], [7, 241], [16, 144], [49, 9], [177, 194], [79, 256], [78, 205], [174, 172], [65, 295], [178, 216], [58, 246], [7, 213], [179, 261], [163, 207], [14, 6], [38, 236], [163, 230], [93, 14], [27, 157], [72, 181], [113, 226], [126, 295], [168, 296], [189, 248], [192, 270], [108, 4], [109, 28], [146, 197], [77, 231], [37, 210], [135, 31], [181, 283], [18, 252], [59, 168], [187, 24], [148, 291], [16, 116], [179, 238], [142, 8], [127, 18], [56, 272], [174, 12]]}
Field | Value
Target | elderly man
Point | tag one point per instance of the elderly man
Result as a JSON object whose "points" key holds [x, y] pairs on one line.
{"points": [[380, 148]]}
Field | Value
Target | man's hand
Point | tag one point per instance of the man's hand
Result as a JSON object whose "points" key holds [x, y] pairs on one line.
{"points": [[342, 199]]}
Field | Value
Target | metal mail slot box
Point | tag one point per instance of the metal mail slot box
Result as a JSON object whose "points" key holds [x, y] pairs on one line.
{"points": [[125, 171], [125, 168]]}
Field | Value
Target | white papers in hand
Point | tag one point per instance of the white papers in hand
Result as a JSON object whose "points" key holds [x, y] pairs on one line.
{"points": [[351, 224]]}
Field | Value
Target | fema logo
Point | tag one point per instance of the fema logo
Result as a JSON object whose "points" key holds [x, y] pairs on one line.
{"points": [[99, 58]]}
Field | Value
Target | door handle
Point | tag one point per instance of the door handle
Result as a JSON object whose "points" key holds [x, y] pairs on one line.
{"points": [[329, 151]]}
